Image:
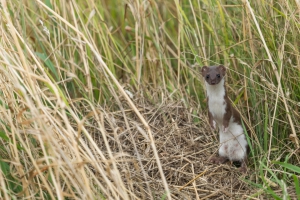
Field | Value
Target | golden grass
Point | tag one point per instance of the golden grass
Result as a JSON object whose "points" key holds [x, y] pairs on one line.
{"points": [[100, 100]]}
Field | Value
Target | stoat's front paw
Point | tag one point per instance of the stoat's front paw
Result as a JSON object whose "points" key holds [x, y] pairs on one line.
{"points": [[225, 129], [213, 125]]}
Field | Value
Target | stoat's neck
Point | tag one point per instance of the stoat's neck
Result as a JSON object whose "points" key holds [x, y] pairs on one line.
{"points": [[216, 90]]}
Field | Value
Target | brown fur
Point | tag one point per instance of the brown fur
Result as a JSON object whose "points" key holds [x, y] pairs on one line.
{"points": [[213, 75]]}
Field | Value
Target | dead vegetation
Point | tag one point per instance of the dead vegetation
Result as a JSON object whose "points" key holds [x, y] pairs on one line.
{"points": [[99, 99], [184, 141]]}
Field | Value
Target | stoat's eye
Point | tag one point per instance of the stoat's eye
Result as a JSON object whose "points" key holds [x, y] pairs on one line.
{"points": [[207, 76], [218, 75]]}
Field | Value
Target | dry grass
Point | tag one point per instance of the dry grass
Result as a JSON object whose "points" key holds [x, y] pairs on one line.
{"points": [[183, 147], [99, 99]]}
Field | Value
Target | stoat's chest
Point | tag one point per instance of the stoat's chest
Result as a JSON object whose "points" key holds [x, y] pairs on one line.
{"points": [[216, 101]]}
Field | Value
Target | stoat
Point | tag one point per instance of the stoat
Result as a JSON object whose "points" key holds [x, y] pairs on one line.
{"points": [[233, 143]]}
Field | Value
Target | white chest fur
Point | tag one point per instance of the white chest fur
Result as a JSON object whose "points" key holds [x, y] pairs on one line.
{"points": [[216, 101]]}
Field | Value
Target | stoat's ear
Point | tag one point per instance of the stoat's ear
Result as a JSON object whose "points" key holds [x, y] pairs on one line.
{"points": [[204, 70], [222, 69]]}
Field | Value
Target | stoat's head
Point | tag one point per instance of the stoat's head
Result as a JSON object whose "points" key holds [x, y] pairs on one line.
{"points": [[213, 74]]}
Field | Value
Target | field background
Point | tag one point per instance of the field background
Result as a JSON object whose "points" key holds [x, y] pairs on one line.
{"points": [[104, 99]]}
